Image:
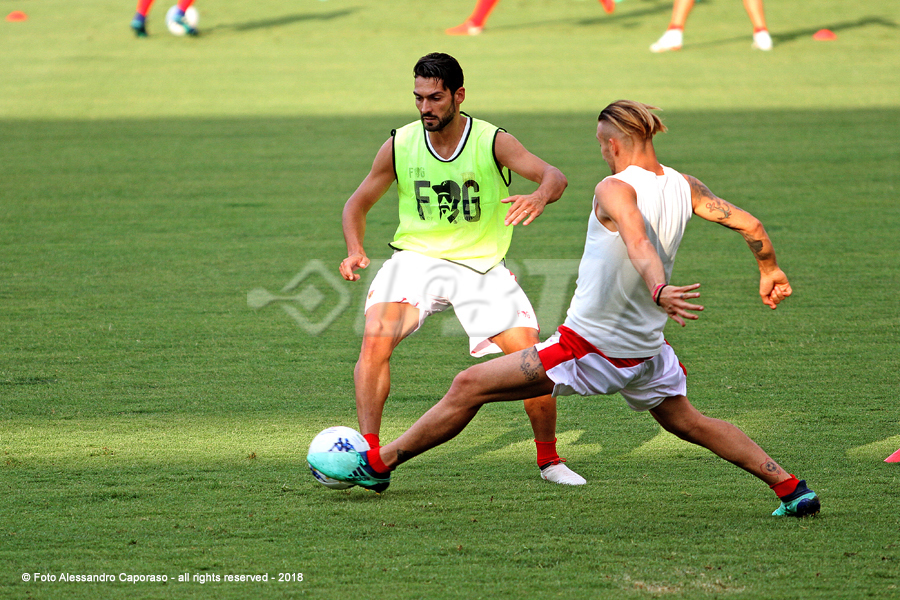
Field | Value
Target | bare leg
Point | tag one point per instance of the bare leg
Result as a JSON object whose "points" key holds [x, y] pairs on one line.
{"points": [[512, 377], [678, 416], [387, 324], [541, 411], [680, 11], [756, 13]]}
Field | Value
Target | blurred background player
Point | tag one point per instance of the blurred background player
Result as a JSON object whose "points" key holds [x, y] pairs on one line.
{"points": [[673, 37], [139, 22], [475, 23]]}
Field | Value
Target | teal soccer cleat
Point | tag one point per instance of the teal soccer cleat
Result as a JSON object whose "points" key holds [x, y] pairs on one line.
{"points": [[802, 502], [182, 22], [139, 28], [351, 467]]}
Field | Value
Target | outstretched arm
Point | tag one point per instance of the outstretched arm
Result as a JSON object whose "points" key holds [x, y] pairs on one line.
{"points": [[370, 191], [773, 283], [551, 182], [617, 210]]}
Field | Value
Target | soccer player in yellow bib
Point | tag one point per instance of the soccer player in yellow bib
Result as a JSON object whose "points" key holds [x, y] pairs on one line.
{"points": [[456, 222]]}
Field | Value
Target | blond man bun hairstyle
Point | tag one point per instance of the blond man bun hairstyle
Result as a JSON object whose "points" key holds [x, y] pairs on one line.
{"points": [[634, 119]]}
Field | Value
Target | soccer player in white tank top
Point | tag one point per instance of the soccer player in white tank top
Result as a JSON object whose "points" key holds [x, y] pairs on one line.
{"points": [[628, 213]]}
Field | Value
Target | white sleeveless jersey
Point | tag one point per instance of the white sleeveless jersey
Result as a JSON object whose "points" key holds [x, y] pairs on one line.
{"points": [[612, 307]]}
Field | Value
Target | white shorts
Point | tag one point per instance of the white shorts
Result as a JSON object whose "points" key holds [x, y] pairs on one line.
{"points": [[577, 367], [485, 303]]}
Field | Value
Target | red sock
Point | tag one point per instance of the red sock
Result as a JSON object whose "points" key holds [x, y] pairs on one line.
{"points": [[143, 7], [785, 487], [482, 10], [678, 27], [374, 458], [373, 440], [758, 29], [546, 453], [183, 5]]}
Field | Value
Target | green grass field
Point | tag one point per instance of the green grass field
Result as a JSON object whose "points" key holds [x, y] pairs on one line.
{"points": [[154, 420]]}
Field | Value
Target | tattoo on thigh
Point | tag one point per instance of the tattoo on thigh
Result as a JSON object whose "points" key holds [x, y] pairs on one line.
{"points": [[530, 363]]}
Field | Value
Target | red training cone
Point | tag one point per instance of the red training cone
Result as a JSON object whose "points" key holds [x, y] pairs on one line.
{"points": [[824, 35], [16, 15], [895, 457]]}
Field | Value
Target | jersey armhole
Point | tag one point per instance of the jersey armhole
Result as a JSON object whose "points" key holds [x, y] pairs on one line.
{"points": [[394, 153], [507, 179]]}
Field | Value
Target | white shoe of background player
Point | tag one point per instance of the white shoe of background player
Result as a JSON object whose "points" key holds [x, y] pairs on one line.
{"points": [[762, 40], [670, 40]]}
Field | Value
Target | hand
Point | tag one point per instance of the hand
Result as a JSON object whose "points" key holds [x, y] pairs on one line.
{"points": [[351, 264], [531, 206], [673, 300], [774, 287]]}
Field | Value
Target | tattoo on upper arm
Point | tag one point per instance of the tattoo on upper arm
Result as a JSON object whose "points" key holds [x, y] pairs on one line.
{"points": [[530, 364], [714, 204], [720, 206]]}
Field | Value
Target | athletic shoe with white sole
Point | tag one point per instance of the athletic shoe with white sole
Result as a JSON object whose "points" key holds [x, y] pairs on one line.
{"points": [[350, 467], [466, 28], [762, 40], [672, 39], [802, 502], [560, 473]]}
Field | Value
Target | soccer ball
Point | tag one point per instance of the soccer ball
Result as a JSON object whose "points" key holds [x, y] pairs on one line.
{"points": [[336, 439], [191, 17]]}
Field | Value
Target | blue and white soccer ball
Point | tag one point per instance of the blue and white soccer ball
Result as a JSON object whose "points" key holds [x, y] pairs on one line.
{"points": [[191, 17], [336, 439]]}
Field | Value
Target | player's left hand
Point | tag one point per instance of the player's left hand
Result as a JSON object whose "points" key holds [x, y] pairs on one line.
{"points": [[527, 207], [774, 287]]}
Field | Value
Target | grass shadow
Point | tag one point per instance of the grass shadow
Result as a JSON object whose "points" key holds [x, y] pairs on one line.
{"points": [[805, 32], [283, 21]]}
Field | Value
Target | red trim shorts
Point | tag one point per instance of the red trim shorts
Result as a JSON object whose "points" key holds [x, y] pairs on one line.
{"points": [[577, 367]]}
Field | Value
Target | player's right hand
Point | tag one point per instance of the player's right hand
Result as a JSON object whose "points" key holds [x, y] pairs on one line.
{"points": [[350, 264], [673, 299]]}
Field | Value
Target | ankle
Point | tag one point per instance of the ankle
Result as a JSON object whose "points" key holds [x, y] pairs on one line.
{"points": [[375, 461], [785, 488], [546, 453]]}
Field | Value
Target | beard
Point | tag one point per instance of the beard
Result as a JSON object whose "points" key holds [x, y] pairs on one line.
{"points": [[442, 121]]}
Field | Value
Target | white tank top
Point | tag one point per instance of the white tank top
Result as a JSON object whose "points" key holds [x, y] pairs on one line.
{"points": [[612, 307]]}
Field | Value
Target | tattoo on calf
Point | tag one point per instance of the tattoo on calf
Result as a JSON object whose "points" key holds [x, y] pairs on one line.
{"points": [[530, 363], [771, 467], [403, 456]]}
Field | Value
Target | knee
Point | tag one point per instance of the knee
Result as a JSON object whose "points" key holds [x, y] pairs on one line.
{"points": [[465, 390], [378, 342], [464, 382]]}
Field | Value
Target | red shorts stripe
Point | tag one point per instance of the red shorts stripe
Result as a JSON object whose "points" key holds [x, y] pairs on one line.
{"points": [[571, 345]]}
